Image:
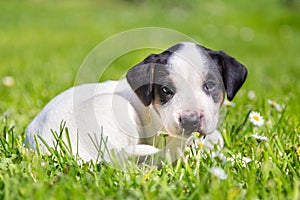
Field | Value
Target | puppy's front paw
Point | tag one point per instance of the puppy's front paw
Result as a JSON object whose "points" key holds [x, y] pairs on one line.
{"points": [[140, 150]]}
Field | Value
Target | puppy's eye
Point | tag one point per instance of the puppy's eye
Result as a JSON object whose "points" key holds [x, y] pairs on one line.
{"points": [[165, 94], [166, 90], [209, 85]]}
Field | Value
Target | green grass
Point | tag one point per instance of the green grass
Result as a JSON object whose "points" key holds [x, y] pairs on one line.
{"points": [[44, 43]]}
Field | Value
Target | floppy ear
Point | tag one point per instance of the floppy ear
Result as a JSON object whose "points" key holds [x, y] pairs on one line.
{"points": [[233, 73], [140, 80], [140, 77]]}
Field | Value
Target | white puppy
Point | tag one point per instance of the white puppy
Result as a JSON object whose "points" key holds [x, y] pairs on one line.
{"points": [[179, 91]]}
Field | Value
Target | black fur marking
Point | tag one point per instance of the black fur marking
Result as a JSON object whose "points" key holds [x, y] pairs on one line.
{"points": [[163, 89], [233, 73], [174, 48], [213, 86], [152, 70], [161, 96], [140, 78]]}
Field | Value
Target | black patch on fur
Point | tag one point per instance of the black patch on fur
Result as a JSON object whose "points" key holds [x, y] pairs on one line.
{"points": [[160, 96], [216, 88], [174, 48], [233, 73], [152, 70]]}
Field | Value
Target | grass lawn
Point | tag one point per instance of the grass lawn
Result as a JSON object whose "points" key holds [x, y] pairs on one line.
{"points": [[44, 43]]}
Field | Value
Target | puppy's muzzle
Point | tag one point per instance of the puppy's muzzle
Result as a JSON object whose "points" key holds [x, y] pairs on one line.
{"points": [[190, 122]]}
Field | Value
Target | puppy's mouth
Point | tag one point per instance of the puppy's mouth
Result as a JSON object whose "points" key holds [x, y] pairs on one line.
{"points": [[188, 133], [184, 134]]}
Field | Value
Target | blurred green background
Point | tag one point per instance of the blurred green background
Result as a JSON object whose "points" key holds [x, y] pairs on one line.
{"points": [[43, 43]]}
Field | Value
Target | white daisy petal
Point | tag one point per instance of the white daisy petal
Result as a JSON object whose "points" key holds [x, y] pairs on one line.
{"points": [[218, 172], [229, 103], [239, 157], [251, 95], [8, 81], [256, 119], [275, 105], [260, 138]]}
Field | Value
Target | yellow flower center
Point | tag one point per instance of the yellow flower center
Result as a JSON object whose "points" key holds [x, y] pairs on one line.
{"points": [[200, 144], [256, 118]]}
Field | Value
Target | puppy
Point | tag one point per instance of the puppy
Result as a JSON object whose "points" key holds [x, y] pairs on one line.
{"points": [[177, 92]]}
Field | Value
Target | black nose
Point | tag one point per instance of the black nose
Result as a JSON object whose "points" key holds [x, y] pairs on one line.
{"points": [[189, 122]]}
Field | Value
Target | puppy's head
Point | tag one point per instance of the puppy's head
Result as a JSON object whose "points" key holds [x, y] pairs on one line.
{"points": [[186, 85]]}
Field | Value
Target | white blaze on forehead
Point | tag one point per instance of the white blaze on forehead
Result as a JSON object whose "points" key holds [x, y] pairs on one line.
{"points": [[192, 55], [190, 63], [189, 66]]}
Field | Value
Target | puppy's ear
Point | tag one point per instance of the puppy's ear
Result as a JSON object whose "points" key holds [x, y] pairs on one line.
{"points": [[233, 73], [140, 77]]}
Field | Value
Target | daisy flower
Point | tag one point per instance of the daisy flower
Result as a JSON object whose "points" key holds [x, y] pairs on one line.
{"points": [[8, 81], [43, 163], [256, 118], [260, 138], [275, 105], [239, 157], [251, 95], [229, 103], [218, 173], [219, 156]]}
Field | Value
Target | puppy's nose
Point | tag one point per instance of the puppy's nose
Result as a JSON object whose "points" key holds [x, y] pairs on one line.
{"points": [[189, 122]]}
